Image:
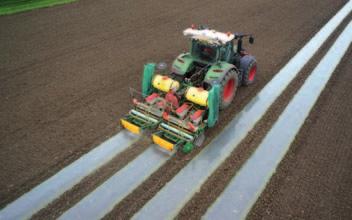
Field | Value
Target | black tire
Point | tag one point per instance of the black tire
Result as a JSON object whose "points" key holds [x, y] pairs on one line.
{"points": [[228, 88], [248, 68]]}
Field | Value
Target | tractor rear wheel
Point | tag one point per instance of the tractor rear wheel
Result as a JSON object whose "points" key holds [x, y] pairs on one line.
{"points": [[228, 88], [248, 68]]}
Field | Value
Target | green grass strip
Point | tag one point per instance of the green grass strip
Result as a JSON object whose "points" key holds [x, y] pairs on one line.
{"points": [[14, 6]]}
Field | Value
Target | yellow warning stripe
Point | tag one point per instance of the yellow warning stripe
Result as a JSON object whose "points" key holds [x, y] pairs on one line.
{"points": [[162, 143], [131, 127]]}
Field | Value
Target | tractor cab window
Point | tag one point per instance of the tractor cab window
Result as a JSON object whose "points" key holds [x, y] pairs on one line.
{"points": [[223, 53], [204, 52]]}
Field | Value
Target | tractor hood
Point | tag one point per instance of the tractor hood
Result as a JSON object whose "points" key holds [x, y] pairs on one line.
{"points": [[217, 72], [182, 63]]}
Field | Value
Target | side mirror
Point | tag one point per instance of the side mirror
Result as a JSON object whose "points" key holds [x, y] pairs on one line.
{"points": [[251, 39]]}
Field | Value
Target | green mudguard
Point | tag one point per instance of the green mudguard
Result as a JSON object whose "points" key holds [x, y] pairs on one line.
{"points": [[147, 79], [213, 104]]}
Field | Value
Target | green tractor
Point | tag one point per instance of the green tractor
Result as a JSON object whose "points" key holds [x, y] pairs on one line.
{"points": [[181, 104]]}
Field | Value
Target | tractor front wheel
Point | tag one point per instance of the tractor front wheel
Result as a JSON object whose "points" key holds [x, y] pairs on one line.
{"points": [[228, 88], [249, 69]]}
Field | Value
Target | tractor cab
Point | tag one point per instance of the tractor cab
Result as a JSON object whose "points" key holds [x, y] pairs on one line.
{"points": [[210, 46], [204, 52]]}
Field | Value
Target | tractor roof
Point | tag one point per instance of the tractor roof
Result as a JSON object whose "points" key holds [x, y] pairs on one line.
{"points": [[210, 36]]}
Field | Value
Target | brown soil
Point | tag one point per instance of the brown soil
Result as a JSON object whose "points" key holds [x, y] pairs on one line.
{"points": [[66, 70], [314, 179]]}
